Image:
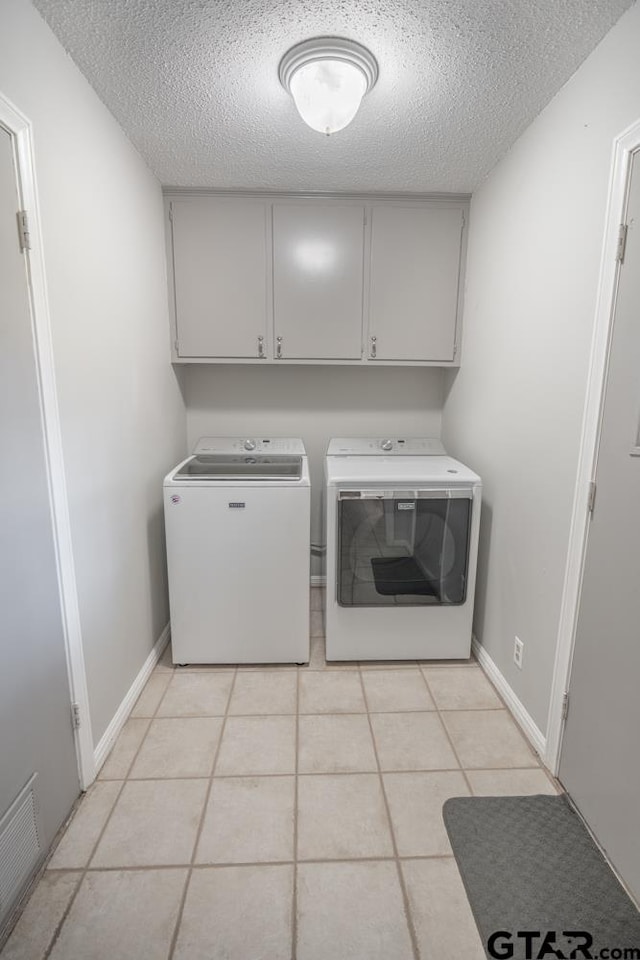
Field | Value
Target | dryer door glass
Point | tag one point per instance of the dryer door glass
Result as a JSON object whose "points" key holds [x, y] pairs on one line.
{"points": [[403, 548]]}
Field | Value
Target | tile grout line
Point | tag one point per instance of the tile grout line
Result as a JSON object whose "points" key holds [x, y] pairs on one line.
{"points": [[294, 905], [537, 765], [403, 890], [152, 714], [292, 713], [505, 706], [174, 674], [372, 665], [183, 899], [83, 870], [324, 773], [225, 864], [86, 869], [331, 666], [447, 734]]}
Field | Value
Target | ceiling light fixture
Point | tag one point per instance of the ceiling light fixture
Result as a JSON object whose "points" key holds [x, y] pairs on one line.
{"points": [[327, 78]]}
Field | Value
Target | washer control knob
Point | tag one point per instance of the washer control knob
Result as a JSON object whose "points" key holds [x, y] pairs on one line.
{"points": [[249, 444], [386, 444]]}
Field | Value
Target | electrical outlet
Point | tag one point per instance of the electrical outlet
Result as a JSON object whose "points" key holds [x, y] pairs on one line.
{"points": [[518, 650]]}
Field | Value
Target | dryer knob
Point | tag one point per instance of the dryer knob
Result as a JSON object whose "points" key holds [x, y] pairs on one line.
{"points": [[386, 444], [249, 444]]}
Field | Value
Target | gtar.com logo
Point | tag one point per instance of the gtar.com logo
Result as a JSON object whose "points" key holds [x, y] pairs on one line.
{"points": [[541, 945]]}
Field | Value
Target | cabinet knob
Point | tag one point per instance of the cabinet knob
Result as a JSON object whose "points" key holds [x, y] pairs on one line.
{"points": [[374, 348], [279, 348], [261, 347]]}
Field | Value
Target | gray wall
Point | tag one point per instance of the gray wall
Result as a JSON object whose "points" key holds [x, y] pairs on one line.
{"points": [[315, 403], [122, 413], [514, 410]]}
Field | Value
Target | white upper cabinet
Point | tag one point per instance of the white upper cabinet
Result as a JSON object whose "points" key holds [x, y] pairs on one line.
{"points": [[220, 277], [318, 255], [316, 279], [416, 253]]}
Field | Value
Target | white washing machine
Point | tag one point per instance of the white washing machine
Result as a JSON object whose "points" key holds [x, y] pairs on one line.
{"points": [[237, 518], [402, 523]]}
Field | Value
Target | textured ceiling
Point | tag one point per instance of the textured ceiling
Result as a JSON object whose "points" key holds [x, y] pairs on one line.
{"points": [[195, 85]]}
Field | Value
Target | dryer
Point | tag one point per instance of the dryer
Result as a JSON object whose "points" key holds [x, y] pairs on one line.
{"points": [[237, 518], [402, 524]]}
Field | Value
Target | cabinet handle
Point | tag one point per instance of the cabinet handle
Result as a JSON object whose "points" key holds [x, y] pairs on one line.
{"points": [[279, 348], [374, 348], [261, 347]]}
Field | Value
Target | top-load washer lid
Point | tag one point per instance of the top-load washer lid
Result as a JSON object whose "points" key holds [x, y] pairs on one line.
{"points": [[223, 466], [282, 446], [385, 447]]}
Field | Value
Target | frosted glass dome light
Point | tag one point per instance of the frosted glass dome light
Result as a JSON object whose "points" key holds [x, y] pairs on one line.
{"points": [[327, 78]]}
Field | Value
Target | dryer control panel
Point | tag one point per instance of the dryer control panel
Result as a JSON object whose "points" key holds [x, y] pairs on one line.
{"points": [[385, 446], [258, 444]]}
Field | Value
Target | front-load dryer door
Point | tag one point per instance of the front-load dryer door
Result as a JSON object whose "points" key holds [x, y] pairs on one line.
{"points": [[407, 547]]}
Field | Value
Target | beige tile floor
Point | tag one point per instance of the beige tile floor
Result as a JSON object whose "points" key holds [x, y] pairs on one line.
{"points": [[267, 813]]}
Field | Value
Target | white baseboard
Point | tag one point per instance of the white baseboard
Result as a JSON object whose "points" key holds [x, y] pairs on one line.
{"points": [[529, 727], [318, 580], [122, 713]]}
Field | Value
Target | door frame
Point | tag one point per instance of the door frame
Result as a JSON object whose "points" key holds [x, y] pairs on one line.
{"points": [[624, 146], [20, 130]]}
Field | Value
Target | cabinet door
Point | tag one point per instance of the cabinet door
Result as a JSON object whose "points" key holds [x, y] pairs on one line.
{"points": [[220, 273], [415, 269], [318, 280]]}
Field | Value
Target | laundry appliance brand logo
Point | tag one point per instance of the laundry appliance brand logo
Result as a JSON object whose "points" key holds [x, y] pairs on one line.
{"points": [[543, 945]]}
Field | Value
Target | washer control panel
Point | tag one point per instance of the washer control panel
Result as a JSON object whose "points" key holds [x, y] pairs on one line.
{"points": [[260, 445], [385, 446]]}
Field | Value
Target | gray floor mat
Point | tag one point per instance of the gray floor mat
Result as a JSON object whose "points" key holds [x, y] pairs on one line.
{"points": [[529, 865]]}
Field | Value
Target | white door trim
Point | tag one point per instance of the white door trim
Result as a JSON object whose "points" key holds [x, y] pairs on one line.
{"points": [[623, 147], [19, 127]]}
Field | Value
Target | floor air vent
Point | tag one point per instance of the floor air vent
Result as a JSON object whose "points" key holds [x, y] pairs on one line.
{"points": [[20, 845]]}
